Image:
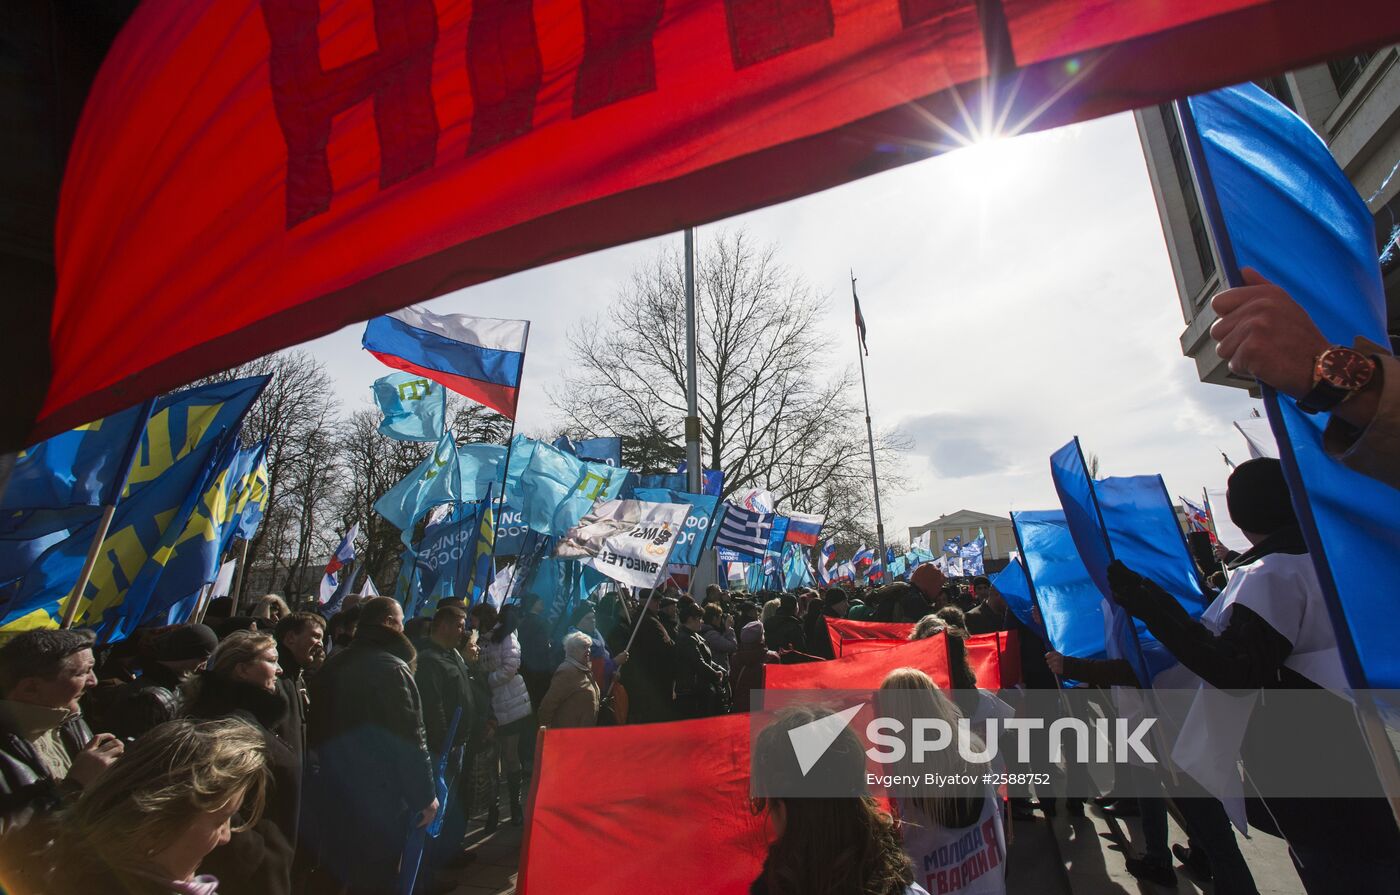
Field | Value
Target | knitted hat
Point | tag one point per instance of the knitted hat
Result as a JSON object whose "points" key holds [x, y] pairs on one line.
{"points": [[1257, 496], [186, 642], [751, 633]]}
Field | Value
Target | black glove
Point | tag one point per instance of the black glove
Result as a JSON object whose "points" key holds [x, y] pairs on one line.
{"points": [[1133, 592]]}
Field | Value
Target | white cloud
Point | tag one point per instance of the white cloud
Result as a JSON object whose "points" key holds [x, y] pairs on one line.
{"points": [[1017, 294]]}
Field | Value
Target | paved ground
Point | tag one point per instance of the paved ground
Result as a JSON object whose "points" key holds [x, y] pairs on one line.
{"points": [[1062, 856]]}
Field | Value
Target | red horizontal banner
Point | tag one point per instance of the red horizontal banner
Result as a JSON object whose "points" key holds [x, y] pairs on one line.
{"points": [[248, 175], [864, 671]]}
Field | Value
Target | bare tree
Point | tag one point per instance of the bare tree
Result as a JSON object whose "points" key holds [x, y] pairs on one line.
{"points": [[772, 413]]}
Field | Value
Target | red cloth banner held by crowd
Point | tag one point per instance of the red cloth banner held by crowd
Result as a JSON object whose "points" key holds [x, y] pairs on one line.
{"points": [[847, 629], [864, 671], [643, 808], [249, 174], [857, 647]]}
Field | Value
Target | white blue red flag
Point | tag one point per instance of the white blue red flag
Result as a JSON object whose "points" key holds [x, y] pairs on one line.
{"points": [[343, 556], [804, 528], [479, 357], [864, 557]]}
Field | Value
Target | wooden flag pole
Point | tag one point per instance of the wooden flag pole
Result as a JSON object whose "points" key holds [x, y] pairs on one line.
{"points": [[235, 591], [70, 611]]}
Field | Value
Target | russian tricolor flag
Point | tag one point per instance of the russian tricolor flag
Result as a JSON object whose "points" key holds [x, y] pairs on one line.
{"points": [[479, 357], [804, 528]]}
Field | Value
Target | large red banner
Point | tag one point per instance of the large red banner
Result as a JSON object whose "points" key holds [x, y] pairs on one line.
{"points": [[644, 808], [248, 175]]}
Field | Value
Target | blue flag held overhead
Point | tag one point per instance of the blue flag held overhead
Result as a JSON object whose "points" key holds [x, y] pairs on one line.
{"points": [[1070, 603], [414, 407], [1277, 201], [438, 479]]}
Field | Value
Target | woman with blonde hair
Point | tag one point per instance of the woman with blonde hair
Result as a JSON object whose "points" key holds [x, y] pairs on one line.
{"points": [[953, 834], [240, 682], [145, 826]]}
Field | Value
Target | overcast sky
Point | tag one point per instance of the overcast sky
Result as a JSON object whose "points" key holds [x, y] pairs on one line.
{"points": [[1017, 293]]}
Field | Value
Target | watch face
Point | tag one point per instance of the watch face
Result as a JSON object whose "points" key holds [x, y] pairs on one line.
{"points": [[1345, 368]]}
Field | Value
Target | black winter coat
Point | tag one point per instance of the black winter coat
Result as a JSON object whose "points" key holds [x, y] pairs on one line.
{"points": [[292, 685], [444, 684], [368, 756], [696, 669], [258, 859], [27, 789], [784, 631], [650, 673]]}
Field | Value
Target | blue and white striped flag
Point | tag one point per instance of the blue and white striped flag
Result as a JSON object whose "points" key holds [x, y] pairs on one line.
{"points": [[744, 531]]}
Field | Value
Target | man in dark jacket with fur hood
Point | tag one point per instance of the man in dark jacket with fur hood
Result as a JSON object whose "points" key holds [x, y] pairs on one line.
{"points": [[372, 775]]}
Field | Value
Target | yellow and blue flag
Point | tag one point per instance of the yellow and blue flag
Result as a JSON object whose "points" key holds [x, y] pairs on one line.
{"points": [[83, 467], [199, 548], [133, 555]]}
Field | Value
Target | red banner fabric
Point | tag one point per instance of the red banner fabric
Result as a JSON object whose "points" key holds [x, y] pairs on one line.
{"points": [[249, 174], [856, 647], [643, 808], [846, 629], [864, 671]]}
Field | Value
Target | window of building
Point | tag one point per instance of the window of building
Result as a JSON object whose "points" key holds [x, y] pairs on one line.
{"points": [[1199, 235], [1277, 87], [1347, 71]]}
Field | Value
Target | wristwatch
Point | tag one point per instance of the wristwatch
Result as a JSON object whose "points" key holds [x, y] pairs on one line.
{"points": [[1338, 373]]}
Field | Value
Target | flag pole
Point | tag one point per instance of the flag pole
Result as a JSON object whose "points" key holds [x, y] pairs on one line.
{"points": [[75, 596], [694, 472], [236, 591], [510, 446], [869, 430]]}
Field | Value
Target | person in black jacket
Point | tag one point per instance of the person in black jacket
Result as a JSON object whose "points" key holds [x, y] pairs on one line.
{"points": [[372, 776], [650, 673], [300, 638], [445, 685], [834, 603], [47, 752], [784, 630], [698, 677], [241, 682], [130, 708], [536, 652]]}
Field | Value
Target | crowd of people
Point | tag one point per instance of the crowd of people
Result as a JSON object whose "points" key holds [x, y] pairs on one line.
{"points": [[284, 752]]}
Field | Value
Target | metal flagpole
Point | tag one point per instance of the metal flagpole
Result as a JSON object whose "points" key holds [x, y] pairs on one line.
{"points": [[869, 431], [75, 596], [700, 574], [510, 445]]}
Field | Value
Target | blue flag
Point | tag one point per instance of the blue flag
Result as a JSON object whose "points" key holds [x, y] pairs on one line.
{"points": [[1070, 603], [696, 534], [414, 407], [446, 559], [198, 551], [187, 420], [796, 572], [251, 495], [607, 451], [1015, 589], [554, 490], [83, 467], [130, 561], [483, 466], [438, 479], [778, 535], [1130, 519], [1286, 209]]}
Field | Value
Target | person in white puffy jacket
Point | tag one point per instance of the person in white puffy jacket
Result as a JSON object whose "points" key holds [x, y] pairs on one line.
{"points": [[510, 703]]}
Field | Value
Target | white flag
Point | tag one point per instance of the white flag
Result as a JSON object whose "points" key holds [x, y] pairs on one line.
{"points": [[224, 582], [627, 540], [1258, 436]]}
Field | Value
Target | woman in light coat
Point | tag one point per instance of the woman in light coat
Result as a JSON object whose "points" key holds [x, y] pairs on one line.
{"points": [[510, 703], [572, 700]]}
